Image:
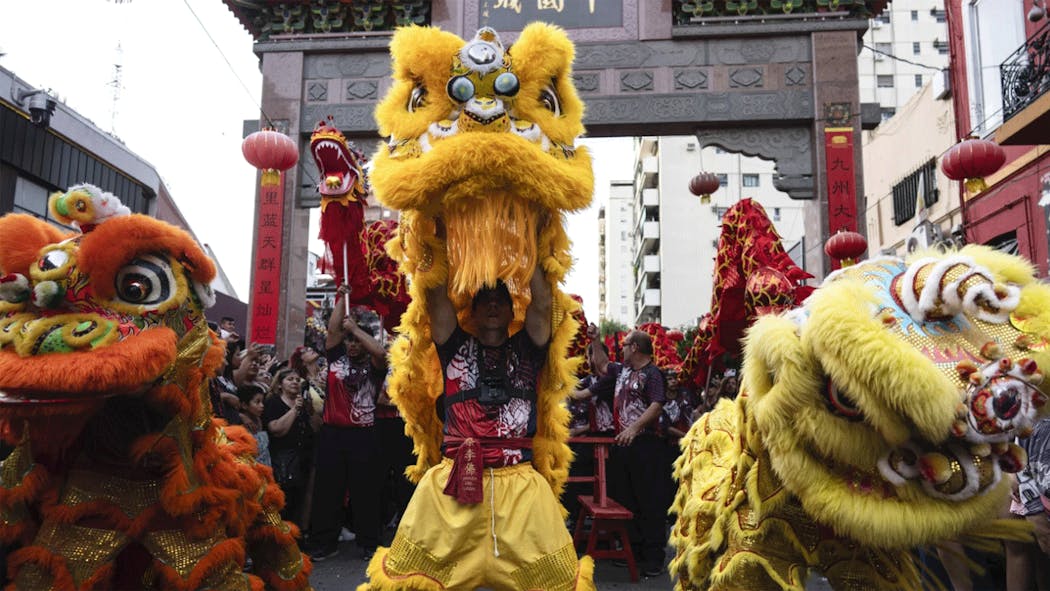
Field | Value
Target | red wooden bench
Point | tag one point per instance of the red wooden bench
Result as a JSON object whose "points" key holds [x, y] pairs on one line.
{"points": [[608, 518]]}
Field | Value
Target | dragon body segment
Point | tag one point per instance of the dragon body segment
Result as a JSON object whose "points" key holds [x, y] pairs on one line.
{"points": [[753, 275], [120, 477], [877, 417]]}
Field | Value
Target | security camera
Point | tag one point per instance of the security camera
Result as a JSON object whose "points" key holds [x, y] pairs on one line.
{"points": [[39, 103]]}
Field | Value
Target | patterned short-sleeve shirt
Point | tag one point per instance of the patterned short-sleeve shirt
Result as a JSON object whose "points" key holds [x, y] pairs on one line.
{"points": [[519, 361]]}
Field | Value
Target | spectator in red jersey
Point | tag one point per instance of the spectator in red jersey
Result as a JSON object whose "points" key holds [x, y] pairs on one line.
{"points": [[348, 455]]}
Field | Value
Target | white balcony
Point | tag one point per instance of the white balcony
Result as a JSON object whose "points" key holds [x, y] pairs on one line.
{"points": [[650, 298], [650, 231], [651, 263]]}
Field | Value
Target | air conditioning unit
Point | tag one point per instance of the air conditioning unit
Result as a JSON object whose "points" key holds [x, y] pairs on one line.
{"points": [[925, 235], [876, 24]]}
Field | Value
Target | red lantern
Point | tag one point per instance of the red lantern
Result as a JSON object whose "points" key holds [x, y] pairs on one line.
{"points": [[971, 160], [703, 185], [846, 246], [271, 151]]}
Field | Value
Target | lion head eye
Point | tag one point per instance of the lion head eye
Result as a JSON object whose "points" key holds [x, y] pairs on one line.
{"points": [[418, 99], [549, 100], [506, 84], [461, 89], [145, 281]]}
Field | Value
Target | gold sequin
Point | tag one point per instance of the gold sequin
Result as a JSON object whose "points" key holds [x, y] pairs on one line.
{"points": [[553, 572], [85, 549], [406, 558], [176, 550], [132, 497]]}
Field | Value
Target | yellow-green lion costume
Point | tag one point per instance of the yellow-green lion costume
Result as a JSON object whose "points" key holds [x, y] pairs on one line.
{"points": [[482, 165], [876, 418]]}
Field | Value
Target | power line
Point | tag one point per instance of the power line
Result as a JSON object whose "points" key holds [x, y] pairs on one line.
{"points": [[269, 122], [900, 59]]}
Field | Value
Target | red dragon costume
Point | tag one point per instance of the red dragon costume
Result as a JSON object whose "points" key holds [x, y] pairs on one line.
{"points": [[753, 275], [120, 477]]}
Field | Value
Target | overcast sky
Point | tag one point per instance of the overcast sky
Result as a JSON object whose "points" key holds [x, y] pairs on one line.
{"points": [[182, 108]]}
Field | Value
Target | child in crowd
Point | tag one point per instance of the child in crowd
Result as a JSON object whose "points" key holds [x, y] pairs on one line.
{"points": [[251, 397]]}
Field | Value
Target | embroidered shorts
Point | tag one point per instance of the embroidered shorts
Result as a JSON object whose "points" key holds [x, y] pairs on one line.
{"points": [[515, 539]]}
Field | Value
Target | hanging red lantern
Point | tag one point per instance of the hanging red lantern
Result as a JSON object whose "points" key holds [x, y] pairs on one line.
{"points": [[271, 151], [846, 246], [971, 160], [703, 185]]}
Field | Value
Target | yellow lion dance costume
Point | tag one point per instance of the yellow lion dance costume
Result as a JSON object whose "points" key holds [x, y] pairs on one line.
{"points": [[876, 418], [480, 161], [121, 478]]}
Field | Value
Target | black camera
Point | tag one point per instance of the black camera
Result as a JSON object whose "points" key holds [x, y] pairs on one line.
{"points": [[492, 395]]}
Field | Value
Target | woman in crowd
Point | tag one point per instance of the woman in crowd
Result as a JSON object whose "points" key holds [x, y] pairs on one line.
{"points": [[290, 419], [307, 362]]}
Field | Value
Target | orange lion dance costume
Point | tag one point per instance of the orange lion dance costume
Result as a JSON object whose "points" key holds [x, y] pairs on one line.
{"points": [[121, 478]]}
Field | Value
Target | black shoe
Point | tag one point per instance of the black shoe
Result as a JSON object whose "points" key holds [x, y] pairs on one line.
{"points": [[367, 554], [652, 571], [320, 554]]}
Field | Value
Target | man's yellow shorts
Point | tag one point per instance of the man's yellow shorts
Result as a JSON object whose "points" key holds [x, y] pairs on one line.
{"points": [[514, 540]]}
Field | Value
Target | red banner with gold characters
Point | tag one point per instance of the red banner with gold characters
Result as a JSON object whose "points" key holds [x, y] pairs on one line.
{"points": [[266, 268], [842, 184]]}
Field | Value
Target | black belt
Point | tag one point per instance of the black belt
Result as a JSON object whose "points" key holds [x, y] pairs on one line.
{"points": [[474, 393]]}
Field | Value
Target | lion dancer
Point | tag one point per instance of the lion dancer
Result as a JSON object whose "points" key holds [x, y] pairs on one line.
{"points": [[481, 163]]}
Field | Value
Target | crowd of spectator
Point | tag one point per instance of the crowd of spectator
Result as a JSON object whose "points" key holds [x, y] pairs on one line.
{"points": [[324, 423]]}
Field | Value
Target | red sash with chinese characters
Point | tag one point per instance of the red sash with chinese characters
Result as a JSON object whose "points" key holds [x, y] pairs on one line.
{"points": [[464, 482]]}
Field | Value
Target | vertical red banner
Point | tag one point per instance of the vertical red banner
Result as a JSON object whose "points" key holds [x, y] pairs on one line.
{"points": [[842, 185], [266, 268]]}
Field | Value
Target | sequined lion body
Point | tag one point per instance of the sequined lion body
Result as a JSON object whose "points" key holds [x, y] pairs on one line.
{"points": [[120, 478], [482, 164], [876, 418]]}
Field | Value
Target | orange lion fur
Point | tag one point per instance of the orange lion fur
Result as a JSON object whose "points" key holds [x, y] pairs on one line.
{"points": [[138, 233], [21, 238]]}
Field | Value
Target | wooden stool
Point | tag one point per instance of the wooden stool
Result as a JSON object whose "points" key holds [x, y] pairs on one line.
{"points": [[608, 518]]}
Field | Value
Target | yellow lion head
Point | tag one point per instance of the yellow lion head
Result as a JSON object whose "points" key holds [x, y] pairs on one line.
{"points": [[888, 404], [482, 138]]}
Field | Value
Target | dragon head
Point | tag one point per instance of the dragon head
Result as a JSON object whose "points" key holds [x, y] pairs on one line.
{"points": [[339, 163], [481, 137], [888, 403], [114, 311]]}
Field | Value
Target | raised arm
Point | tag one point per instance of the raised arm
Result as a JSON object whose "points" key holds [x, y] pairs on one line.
{"points": [[538, 314], [368, 342], [442, 312], [336, 332]]}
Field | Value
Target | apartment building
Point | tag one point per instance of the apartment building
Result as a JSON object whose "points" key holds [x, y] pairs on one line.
{"points": [[904, 48], [663, 245]]}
